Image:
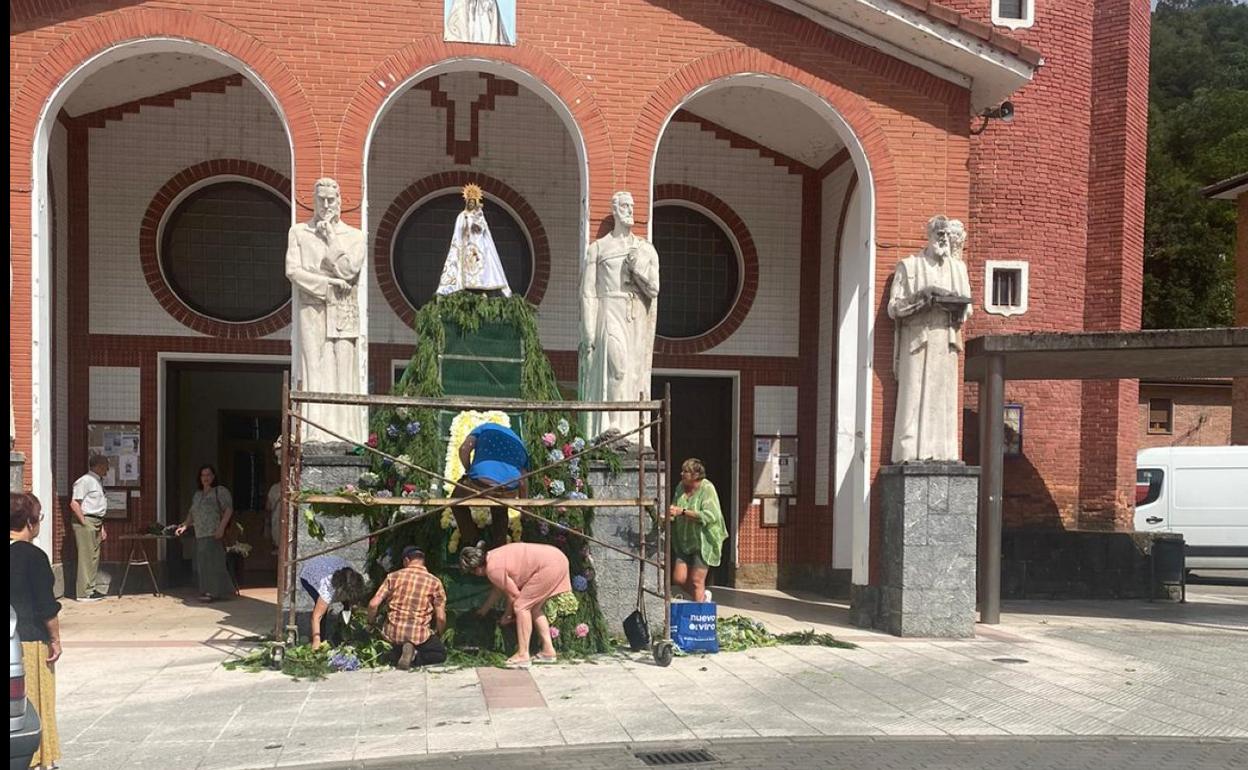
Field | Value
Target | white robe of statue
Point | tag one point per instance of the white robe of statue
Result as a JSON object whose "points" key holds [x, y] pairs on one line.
{"points": [[927, 341], [619, 311], [475, 21], [472, 261], [324, 259]]}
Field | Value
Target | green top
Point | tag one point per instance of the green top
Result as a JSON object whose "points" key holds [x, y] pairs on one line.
{"points": [[207, 508], [704, 535]]}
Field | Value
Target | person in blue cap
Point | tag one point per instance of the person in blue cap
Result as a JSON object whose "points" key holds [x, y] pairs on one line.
{"points": [[492, 455]]}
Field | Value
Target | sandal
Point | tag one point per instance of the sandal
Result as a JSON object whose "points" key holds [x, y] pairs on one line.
{"points": [[519, 664], [545, 659]]}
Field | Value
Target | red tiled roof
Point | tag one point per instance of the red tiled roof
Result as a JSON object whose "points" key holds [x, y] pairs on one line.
{"points": [[985, 32]]}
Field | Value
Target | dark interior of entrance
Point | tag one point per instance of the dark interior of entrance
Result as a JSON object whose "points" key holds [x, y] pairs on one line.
{"points": [[702, 425], [226, 416]]}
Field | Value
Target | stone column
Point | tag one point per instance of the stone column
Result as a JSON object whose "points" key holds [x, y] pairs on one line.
{"points": [[615, 574], [327, 467], [928, 553]]}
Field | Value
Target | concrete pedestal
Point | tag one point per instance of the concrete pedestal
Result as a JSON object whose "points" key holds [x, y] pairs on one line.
{"points": [[615, 573], [928, 553], [328, 467]]}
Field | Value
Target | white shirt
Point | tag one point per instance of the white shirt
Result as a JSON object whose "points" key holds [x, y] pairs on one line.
{"points": [[90, 492]]}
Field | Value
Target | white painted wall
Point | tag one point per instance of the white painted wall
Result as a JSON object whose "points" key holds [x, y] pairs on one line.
{"points": [[835, 186], [523, 144], [62, 476], [131, 159], [767, 198], [850, 485]]}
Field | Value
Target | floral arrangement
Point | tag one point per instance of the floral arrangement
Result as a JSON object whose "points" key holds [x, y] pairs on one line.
{"points": [[463, 424]]}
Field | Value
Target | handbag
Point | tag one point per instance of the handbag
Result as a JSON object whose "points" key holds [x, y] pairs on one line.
{"points": [[636, 629]]}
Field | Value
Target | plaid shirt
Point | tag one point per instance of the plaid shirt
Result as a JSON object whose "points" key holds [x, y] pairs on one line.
{"points": [[412, 593]]}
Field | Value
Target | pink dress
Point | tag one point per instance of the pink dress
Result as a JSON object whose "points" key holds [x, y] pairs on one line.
{"points": [[535, 571]]}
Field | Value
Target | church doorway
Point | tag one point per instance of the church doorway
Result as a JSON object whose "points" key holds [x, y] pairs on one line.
{"points": [[704, 425]]}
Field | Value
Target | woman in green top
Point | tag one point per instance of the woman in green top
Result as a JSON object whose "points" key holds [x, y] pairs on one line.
{"points": [[211, 510], [698, 531]]}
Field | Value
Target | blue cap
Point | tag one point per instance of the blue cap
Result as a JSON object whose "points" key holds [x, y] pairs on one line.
{"points": [[412, 552]]}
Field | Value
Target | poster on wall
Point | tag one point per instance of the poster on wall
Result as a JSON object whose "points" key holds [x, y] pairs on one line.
{"points": [[492, 22], [119, 442]]}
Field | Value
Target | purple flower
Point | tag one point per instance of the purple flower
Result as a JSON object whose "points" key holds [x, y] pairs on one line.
{"points": [[384, 493], [413, 427], [578, 443], [554, 455], [343, 662], [392, 431], [580, 584]]}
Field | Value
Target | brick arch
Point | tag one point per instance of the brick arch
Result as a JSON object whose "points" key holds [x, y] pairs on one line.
{"points": [[132, 25], [423, 55], [683, 193], [149, 248], [388, 228], [682, 83]]}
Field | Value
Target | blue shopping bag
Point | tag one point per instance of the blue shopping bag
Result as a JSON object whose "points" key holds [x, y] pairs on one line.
{"points": [[694, 626]]}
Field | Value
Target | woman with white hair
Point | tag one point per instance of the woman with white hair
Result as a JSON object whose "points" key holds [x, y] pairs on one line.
{"points": [[698, 530]]}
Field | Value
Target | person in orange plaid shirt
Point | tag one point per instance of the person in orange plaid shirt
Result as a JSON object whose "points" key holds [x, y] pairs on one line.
{"points": [[414, 597]]}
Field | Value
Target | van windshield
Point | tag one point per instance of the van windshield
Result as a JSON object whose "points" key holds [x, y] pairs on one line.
{"points": [[1148, 485]]}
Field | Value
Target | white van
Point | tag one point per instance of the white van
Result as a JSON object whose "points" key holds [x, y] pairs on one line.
{"points": [[1200, 491]]}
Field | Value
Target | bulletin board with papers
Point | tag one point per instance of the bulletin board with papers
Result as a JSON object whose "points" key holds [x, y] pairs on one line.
{"points": [[119, 442]]}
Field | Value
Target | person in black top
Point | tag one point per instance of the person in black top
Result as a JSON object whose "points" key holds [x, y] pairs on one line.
{"points": [[32, 599]]}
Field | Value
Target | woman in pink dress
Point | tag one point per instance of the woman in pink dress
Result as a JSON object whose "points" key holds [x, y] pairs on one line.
{"points": [[528, 574]]}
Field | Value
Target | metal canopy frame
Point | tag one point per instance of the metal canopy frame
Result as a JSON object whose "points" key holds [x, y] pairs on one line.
{"points": [[993, 359], [653, 413]]}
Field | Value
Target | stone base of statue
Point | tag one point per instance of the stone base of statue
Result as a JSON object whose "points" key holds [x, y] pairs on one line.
{"points": [[928, 553], [615, 573], [327, 467]]}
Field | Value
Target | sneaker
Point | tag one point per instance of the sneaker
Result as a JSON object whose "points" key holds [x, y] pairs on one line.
{"points": [[91, 598], [96, 595], [405, 658]]}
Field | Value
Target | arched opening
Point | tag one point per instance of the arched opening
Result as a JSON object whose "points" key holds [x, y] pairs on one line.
{"points": [[156, 163], [494, 124], [784, 161]]}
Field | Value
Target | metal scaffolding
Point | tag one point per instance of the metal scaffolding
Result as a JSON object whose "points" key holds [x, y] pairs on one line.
{"points": [[651, 414]]}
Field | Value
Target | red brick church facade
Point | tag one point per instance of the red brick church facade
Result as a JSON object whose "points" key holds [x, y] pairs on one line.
{"points": [[819, 141]]}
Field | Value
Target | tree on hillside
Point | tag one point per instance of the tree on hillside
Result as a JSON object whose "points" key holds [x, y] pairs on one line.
{"points": [[1198, 134]]}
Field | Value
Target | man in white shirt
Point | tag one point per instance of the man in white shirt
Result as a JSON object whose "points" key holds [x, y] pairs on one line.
{"points": [[89, 506]]}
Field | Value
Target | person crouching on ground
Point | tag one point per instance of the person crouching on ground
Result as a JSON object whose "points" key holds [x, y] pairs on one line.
{"points": [[527, 574], [413, 597], [698, 531], [328, 580], [492, 455]]}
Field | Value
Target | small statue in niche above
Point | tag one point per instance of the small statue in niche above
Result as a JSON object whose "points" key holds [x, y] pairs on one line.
{"points": [[472, 262]]}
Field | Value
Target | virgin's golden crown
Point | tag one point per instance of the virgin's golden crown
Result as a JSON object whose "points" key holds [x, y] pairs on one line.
{"points": [[473, 193]]}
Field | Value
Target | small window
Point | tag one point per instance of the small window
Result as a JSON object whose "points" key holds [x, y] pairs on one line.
{"points": [[1005, 287], [1015, 14], [1160, 416], [1148, 485]]}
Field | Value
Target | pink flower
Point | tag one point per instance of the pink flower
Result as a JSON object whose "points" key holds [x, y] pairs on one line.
{"points": [[580, 483], [372, 439], [548, 439], [568, 451], [554, 633], [582, 630], [409, 489]]}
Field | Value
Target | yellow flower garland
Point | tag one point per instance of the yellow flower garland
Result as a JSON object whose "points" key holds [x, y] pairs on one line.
{"points": [[463, 424]]}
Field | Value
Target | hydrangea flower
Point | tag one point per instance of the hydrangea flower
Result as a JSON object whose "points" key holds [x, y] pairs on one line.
{"points": [[568, 451], [574, 465], [563, 427], [392, 431], [372, 439], [413, 427], [404, 460], [577, 495], [556, 487], [580, 583], [344, 662], [578, 444], [403, 413], [582, 630], [548, 439], [368, 479], [384, 493], [554, 455], [409, 490], [580, 484]]}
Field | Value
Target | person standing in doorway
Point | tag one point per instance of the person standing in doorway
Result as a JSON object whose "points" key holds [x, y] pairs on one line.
{"points": [[89, 506], [212, 507]]}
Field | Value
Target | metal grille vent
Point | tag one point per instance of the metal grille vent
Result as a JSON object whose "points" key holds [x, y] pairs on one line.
{"points": [[677, 757]]}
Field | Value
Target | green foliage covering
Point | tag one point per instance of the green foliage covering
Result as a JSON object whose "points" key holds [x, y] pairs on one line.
{"points": [[1198, 135]]}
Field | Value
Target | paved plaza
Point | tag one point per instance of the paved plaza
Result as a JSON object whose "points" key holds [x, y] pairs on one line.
{"points": [[141, 686]]}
